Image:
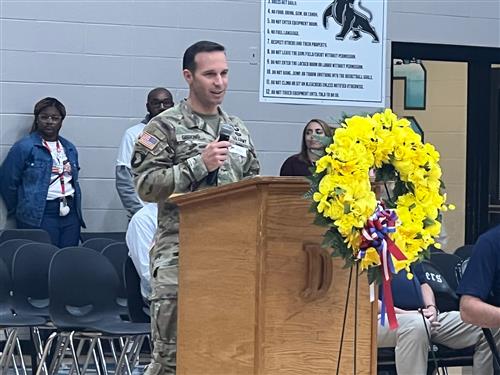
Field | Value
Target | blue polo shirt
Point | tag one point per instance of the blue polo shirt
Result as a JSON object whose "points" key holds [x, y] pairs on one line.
{"points": [[407, 294], [482, 276]]}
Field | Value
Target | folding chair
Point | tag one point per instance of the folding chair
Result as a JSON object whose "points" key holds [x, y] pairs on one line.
{"points": [[464, 251], [83, 288], [30, 294], [35, 235], [9, 248], [138, 310], [97, 244], [12, 322], [447, 263], [115, 236], [117, 254]]}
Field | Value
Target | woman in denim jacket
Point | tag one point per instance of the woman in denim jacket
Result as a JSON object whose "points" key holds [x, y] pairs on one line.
{"points": [[40, 178]]}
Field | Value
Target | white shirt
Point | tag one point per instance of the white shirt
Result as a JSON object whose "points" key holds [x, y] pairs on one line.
{"points": [[60, 164], [139, 238], [131, 136]]}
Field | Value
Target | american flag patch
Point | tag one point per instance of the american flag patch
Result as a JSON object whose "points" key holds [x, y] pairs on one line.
{"points": [[149, 141]]}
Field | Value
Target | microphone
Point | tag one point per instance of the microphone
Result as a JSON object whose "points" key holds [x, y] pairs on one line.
{"points": [[224, 133]]}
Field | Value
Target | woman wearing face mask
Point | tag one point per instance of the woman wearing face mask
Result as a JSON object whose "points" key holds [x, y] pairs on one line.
{"points": [[40, 178], [311, 150]]}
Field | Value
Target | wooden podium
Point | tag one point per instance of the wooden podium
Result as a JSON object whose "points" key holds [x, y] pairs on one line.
{"points": [[257, 296]]}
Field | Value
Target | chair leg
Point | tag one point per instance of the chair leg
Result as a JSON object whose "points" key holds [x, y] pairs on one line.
{"points": [[73, 352], [102, 356], [60, 351], [113, 350], [118, 360], [21, 358], [48, 344], [8, 351], [14, 364], [137, 351], [96, 361], [81, 343], [89, 354], [37, 341]]}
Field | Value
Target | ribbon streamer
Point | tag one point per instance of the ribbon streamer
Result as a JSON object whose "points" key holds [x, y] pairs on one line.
{"points": [[376, 234]]}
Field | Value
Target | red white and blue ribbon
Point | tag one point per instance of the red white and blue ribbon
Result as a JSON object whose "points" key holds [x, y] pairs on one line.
{"points": [[376, 234]]}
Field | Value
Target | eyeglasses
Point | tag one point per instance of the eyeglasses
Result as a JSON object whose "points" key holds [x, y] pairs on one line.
{"points": [[46, 118], [157, 103]]}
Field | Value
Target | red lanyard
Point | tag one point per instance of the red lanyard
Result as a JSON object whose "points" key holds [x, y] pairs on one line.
{"points": [[59, 168]]}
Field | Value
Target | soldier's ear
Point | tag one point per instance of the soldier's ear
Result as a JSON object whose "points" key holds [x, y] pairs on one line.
{"points": [[188, 76]]}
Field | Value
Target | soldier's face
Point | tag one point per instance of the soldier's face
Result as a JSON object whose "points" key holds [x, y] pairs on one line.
{"points": [[208, 83]]}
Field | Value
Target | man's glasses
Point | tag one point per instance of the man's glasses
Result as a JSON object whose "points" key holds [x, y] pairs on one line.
{"points": [[46, 118], [158, 103]]}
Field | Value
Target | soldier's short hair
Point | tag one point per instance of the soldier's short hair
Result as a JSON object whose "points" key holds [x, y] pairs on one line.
{"points": [[201, 46]]}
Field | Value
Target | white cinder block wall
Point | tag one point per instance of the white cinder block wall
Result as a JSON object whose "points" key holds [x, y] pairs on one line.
{"points": [[100, 58]]}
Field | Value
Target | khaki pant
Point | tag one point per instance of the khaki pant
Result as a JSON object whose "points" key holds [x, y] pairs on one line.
{"points": [[412, 345]]}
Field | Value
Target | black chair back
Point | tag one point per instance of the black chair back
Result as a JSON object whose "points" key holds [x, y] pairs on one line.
{"points": [[460, 269], [464, 252], [97, 244], [447, 263], [137, 309], [9, 248], [35, 235], [117, 254], [5, 289], [115, 236], [83, 288], [30, 270]]}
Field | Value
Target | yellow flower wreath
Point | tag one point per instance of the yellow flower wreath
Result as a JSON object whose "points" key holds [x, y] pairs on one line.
{"points": [[343, 197]]}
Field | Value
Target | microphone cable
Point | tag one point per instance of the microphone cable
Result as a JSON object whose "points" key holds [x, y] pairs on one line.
{"points": [[431, 344]]}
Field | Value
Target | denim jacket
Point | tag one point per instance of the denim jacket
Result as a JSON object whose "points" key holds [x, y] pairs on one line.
{"points": [[25, 177]]}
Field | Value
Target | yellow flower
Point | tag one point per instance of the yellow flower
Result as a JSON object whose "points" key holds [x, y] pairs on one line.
{"points": [[370, 259]]}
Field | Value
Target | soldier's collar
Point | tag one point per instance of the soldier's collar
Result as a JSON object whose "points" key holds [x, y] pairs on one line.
{"points": [[193, 120]]}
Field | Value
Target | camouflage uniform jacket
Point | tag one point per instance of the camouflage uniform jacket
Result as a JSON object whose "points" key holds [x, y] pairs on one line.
{"points": [[167, 159]]}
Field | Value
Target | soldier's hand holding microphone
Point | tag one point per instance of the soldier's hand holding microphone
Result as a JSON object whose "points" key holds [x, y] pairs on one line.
{"points": [[215, 153]]}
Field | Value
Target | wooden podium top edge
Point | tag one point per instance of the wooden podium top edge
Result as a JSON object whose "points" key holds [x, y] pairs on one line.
{"points": [[300, 183]]}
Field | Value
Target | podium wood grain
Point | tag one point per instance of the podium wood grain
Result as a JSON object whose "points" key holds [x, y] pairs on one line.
{"points": [[242, 271]]}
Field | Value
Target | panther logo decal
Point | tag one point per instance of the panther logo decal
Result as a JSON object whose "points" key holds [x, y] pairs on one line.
{"points": [[350, 19]]}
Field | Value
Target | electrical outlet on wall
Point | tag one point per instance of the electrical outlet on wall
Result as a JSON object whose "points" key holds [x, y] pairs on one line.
{"points": [[253, 57]]}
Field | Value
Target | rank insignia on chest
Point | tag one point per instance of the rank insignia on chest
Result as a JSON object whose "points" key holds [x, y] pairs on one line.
{"points": [[148, 140]]}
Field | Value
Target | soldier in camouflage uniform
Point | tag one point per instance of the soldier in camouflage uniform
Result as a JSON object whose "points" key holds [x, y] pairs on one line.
{"points": [[175, 154]]}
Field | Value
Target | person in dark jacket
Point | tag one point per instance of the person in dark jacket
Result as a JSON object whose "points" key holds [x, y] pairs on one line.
{"points": [[40, 178], [311, 150]]}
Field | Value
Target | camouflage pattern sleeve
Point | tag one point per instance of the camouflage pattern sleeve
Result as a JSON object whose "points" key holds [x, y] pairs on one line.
{"points": [[252, 166], [157, 172]]}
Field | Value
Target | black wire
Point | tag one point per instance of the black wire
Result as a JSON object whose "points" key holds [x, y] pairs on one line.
{"points": [[431, 345], [344, 322]]}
